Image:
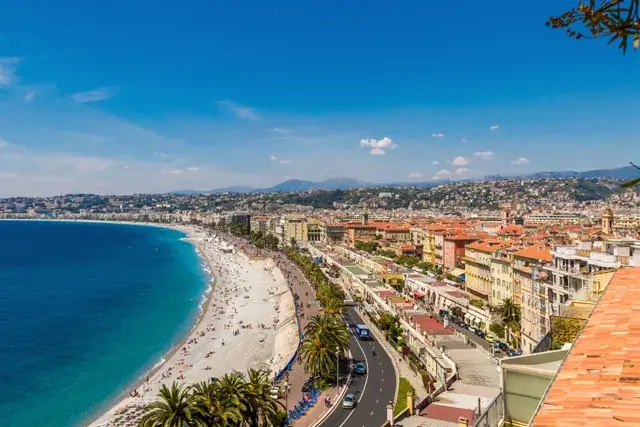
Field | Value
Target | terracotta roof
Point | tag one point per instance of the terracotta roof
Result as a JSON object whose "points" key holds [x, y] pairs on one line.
{"points": [[539, 252], [599, 382]]}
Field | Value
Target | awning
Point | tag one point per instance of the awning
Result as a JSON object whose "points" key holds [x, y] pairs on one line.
{"points": [[418, 294], [457, 272]]}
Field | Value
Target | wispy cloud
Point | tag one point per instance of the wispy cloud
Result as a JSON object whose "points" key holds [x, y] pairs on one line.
{"points": [[273, 158], [415, 175], [460, 161], [437, 135], [8, 67], [463, 140], [282, 131], [494, 127], [441, 174], [378, 147], [485, 155], [462, 171], [238, 110], [520, 161], [435, 162], [95, 95], [30, 96], [285, 162], [193, 168], [160, 154], [175, 171]]}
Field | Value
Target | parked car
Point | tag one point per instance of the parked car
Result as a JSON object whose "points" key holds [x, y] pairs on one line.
{"points": [[349, 401], [360, 368], [491, 337]]}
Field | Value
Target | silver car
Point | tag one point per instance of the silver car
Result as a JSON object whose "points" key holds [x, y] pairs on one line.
{"points": [[349, 401]]}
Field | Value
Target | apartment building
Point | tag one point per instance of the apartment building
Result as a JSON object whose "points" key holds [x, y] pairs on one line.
{"points": [[331, 233], [295, 229], [453, 250], [530, 291], [501, 276], [478, 273]]}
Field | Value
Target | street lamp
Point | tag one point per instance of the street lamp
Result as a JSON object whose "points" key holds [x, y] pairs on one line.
{"points": [[287, 389], [337, 367]]}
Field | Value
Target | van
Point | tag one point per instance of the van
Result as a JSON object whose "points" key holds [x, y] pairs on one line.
{"points": [[349, 302]]}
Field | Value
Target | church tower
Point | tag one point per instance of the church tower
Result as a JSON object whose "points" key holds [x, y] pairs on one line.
{"points": [[607, 222], [365, 215]]}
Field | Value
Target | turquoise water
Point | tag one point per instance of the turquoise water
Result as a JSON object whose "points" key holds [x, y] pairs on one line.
{"points": [[85, 309]]}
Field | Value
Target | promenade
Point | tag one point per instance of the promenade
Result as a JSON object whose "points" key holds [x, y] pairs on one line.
{"points": [[307, 307]]}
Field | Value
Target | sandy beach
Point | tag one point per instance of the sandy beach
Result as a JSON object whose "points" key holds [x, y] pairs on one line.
{"points": [[248, 321]]}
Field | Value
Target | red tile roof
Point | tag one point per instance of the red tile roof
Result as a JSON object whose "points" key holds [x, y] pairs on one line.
{"points": [[599, 382]]}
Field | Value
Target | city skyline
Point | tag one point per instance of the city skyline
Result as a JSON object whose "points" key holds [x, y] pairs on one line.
{"points": [[254, 96]]}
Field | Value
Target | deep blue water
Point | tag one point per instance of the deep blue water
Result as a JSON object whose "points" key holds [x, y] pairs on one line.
{"points": [[85, 309]]}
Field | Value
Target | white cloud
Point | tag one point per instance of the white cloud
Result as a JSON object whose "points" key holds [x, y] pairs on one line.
{"points": [[415, 175], [442, 173], [193, 168], [463, 140], [30, 96], [285, 162], [95, 95], [494, 127], [462, 171], [460, 161], [435, 162], [4, 143], [437, 135], [283, 131], [378, 147], [8, 68], [520, 161], [160, 154], [176, 171], [485, 155], [273, 158], [240, 111]]}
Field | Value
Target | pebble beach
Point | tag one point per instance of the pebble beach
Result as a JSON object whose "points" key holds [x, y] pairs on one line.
{"points": [[248, 321]]}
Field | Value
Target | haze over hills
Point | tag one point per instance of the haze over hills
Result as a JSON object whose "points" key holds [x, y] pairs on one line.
{"points": [[292, 185]]}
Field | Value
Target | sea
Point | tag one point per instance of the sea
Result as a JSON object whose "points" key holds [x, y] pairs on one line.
{"points": [[85, 310]]}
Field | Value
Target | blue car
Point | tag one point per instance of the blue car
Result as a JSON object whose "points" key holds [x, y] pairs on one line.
{"points": [[360, 369]]}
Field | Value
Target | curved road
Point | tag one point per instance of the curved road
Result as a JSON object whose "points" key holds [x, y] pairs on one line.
{"points": [[373, 391]]}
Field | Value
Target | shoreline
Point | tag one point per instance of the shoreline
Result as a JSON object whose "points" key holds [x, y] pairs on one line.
{"points": [[206, 299], [275, 340]]}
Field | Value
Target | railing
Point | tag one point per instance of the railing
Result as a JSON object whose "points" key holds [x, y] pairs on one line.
{"points": [[492, 414]]}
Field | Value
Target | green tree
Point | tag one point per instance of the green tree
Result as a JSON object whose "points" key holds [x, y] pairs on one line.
{"points": [[617, 20], [325, 338], [172, 410], [260, 404], [334, 307], [212, 408], [564, 330]]}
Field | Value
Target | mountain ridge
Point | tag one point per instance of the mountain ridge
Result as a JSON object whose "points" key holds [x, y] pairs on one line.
{"points": [[346, 183]]}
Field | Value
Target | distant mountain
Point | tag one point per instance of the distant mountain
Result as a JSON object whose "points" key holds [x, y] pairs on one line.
{"points": [[293, 185]]}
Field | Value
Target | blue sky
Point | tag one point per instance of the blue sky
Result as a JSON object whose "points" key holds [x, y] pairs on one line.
{"points": [[142, 96]]}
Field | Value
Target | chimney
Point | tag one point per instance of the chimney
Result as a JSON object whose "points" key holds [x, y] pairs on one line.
{"points": [[463, 422]]}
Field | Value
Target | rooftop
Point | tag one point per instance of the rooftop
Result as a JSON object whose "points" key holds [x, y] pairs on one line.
{"points": [[599, 382]]}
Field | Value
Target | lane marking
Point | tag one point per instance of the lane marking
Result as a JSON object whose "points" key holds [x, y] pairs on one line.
{"points": [[366, 378], [371, 413]]}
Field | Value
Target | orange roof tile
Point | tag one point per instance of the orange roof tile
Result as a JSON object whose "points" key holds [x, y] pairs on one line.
{"points": [[539, 252], [599, 382]]}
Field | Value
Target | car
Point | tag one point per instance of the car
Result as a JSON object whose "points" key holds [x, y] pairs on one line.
{"points": [[360, 368], [490, 337], [349, 401]]}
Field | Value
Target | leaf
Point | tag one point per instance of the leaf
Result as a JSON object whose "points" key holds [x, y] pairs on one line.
{"points": [[631, 183]]}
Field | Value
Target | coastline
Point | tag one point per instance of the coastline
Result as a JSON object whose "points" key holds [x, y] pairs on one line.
{"points": [[103, 415]]}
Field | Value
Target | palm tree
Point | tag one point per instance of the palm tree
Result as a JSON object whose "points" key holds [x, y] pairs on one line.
{"points": [[509, 311], [325, 338], [260, 404], [211, 408], [172, 410], [334, 307]]}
